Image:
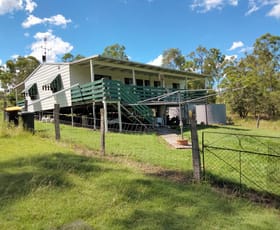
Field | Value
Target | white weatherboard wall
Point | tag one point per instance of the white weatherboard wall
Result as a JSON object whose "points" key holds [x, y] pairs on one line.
{"points": [[80, 75], [211, 114], [41, 76]]}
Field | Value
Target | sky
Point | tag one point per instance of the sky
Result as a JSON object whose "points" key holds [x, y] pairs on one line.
{"points": [[145, 27]]}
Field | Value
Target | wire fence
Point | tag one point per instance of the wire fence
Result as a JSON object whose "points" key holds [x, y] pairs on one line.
{"points": [[247, 162], [137, 144], [91, 123]]}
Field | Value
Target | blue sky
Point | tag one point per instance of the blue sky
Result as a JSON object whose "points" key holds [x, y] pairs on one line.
{"points": [[145, 27]]}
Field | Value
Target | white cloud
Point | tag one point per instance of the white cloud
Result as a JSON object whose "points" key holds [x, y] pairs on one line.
{"points": [[30, 6], [54, 45], [204, 6], [157, 61], [233, 2], [9, 6], [255, 5], [208, 5], [275, 12], [15, 56], [58, 20], [31, 21], [236, 45], [231, 57], [246, 49]]}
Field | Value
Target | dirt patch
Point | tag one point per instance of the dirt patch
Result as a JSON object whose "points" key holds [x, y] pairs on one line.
{"points": [[147, 169]]}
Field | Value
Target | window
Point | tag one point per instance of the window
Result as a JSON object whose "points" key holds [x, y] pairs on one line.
{"points": [[33, 92], [139, 82], [176, 86], [100, 76], [128, 81], [157, 84], [147, 82], [56, 84]]}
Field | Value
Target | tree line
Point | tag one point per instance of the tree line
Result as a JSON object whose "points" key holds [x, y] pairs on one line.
{"points": [[248, 85]]}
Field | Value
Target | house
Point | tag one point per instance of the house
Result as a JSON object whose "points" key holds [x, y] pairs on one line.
{"points": [[127, 91]]}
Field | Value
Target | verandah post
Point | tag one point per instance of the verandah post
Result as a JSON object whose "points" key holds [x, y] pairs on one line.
{"points": [[94, 115], [102, 132], [72, 117]]}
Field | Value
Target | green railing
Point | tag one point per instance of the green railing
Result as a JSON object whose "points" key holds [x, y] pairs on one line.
{"points": [[20, 103], [129, 95], [169, 95], [110, 90], [92, 91]]}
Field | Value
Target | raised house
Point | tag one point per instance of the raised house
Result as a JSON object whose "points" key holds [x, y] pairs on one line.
{"points": [[127, 91]]}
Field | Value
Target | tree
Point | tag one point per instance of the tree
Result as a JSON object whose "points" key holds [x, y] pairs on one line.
{"points": [[258, 75], [68, 57], [209, 62], [115, 51], [19, 69], [173, 58], [267, 53], [241, 88], [198, 58], [78, 57], [214, 64], [6, 79]]}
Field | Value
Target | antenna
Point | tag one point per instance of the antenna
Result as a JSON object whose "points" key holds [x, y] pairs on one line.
{"points": [[45, 49]]}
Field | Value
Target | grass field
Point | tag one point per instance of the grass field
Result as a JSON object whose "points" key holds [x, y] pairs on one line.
{"points": [[53, 185]]}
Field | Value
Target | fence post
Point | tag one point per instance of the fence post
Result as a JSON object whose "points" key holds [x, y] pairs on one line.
{"points": [[56, 121], [120, 116], [258, 121], [203, 156], [195, 148], [5, 106], [102, 132]]}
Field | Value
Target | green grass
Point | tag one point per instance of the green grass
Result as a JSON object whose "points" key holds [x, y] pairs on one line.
{"points": [[266, 127], [45, 185], [259, 172], [146, 148], [151, 149]]}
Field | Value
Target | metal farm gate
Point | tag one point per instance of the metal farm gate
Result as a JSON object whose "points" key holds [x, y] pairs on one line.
{"points": [[244, 161]]}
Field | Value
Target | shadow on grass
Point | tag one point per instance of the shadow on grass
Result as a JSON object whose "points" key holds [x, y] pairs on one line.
{"points": [[21, 176], [202, 127], [173, 175], [170, 205], [205, 127], [233, 188]]}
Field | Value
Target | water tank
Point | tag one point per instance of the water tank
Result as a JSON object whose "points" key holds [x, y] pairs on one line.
{"points": [[28, 121], [211, 114]]}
